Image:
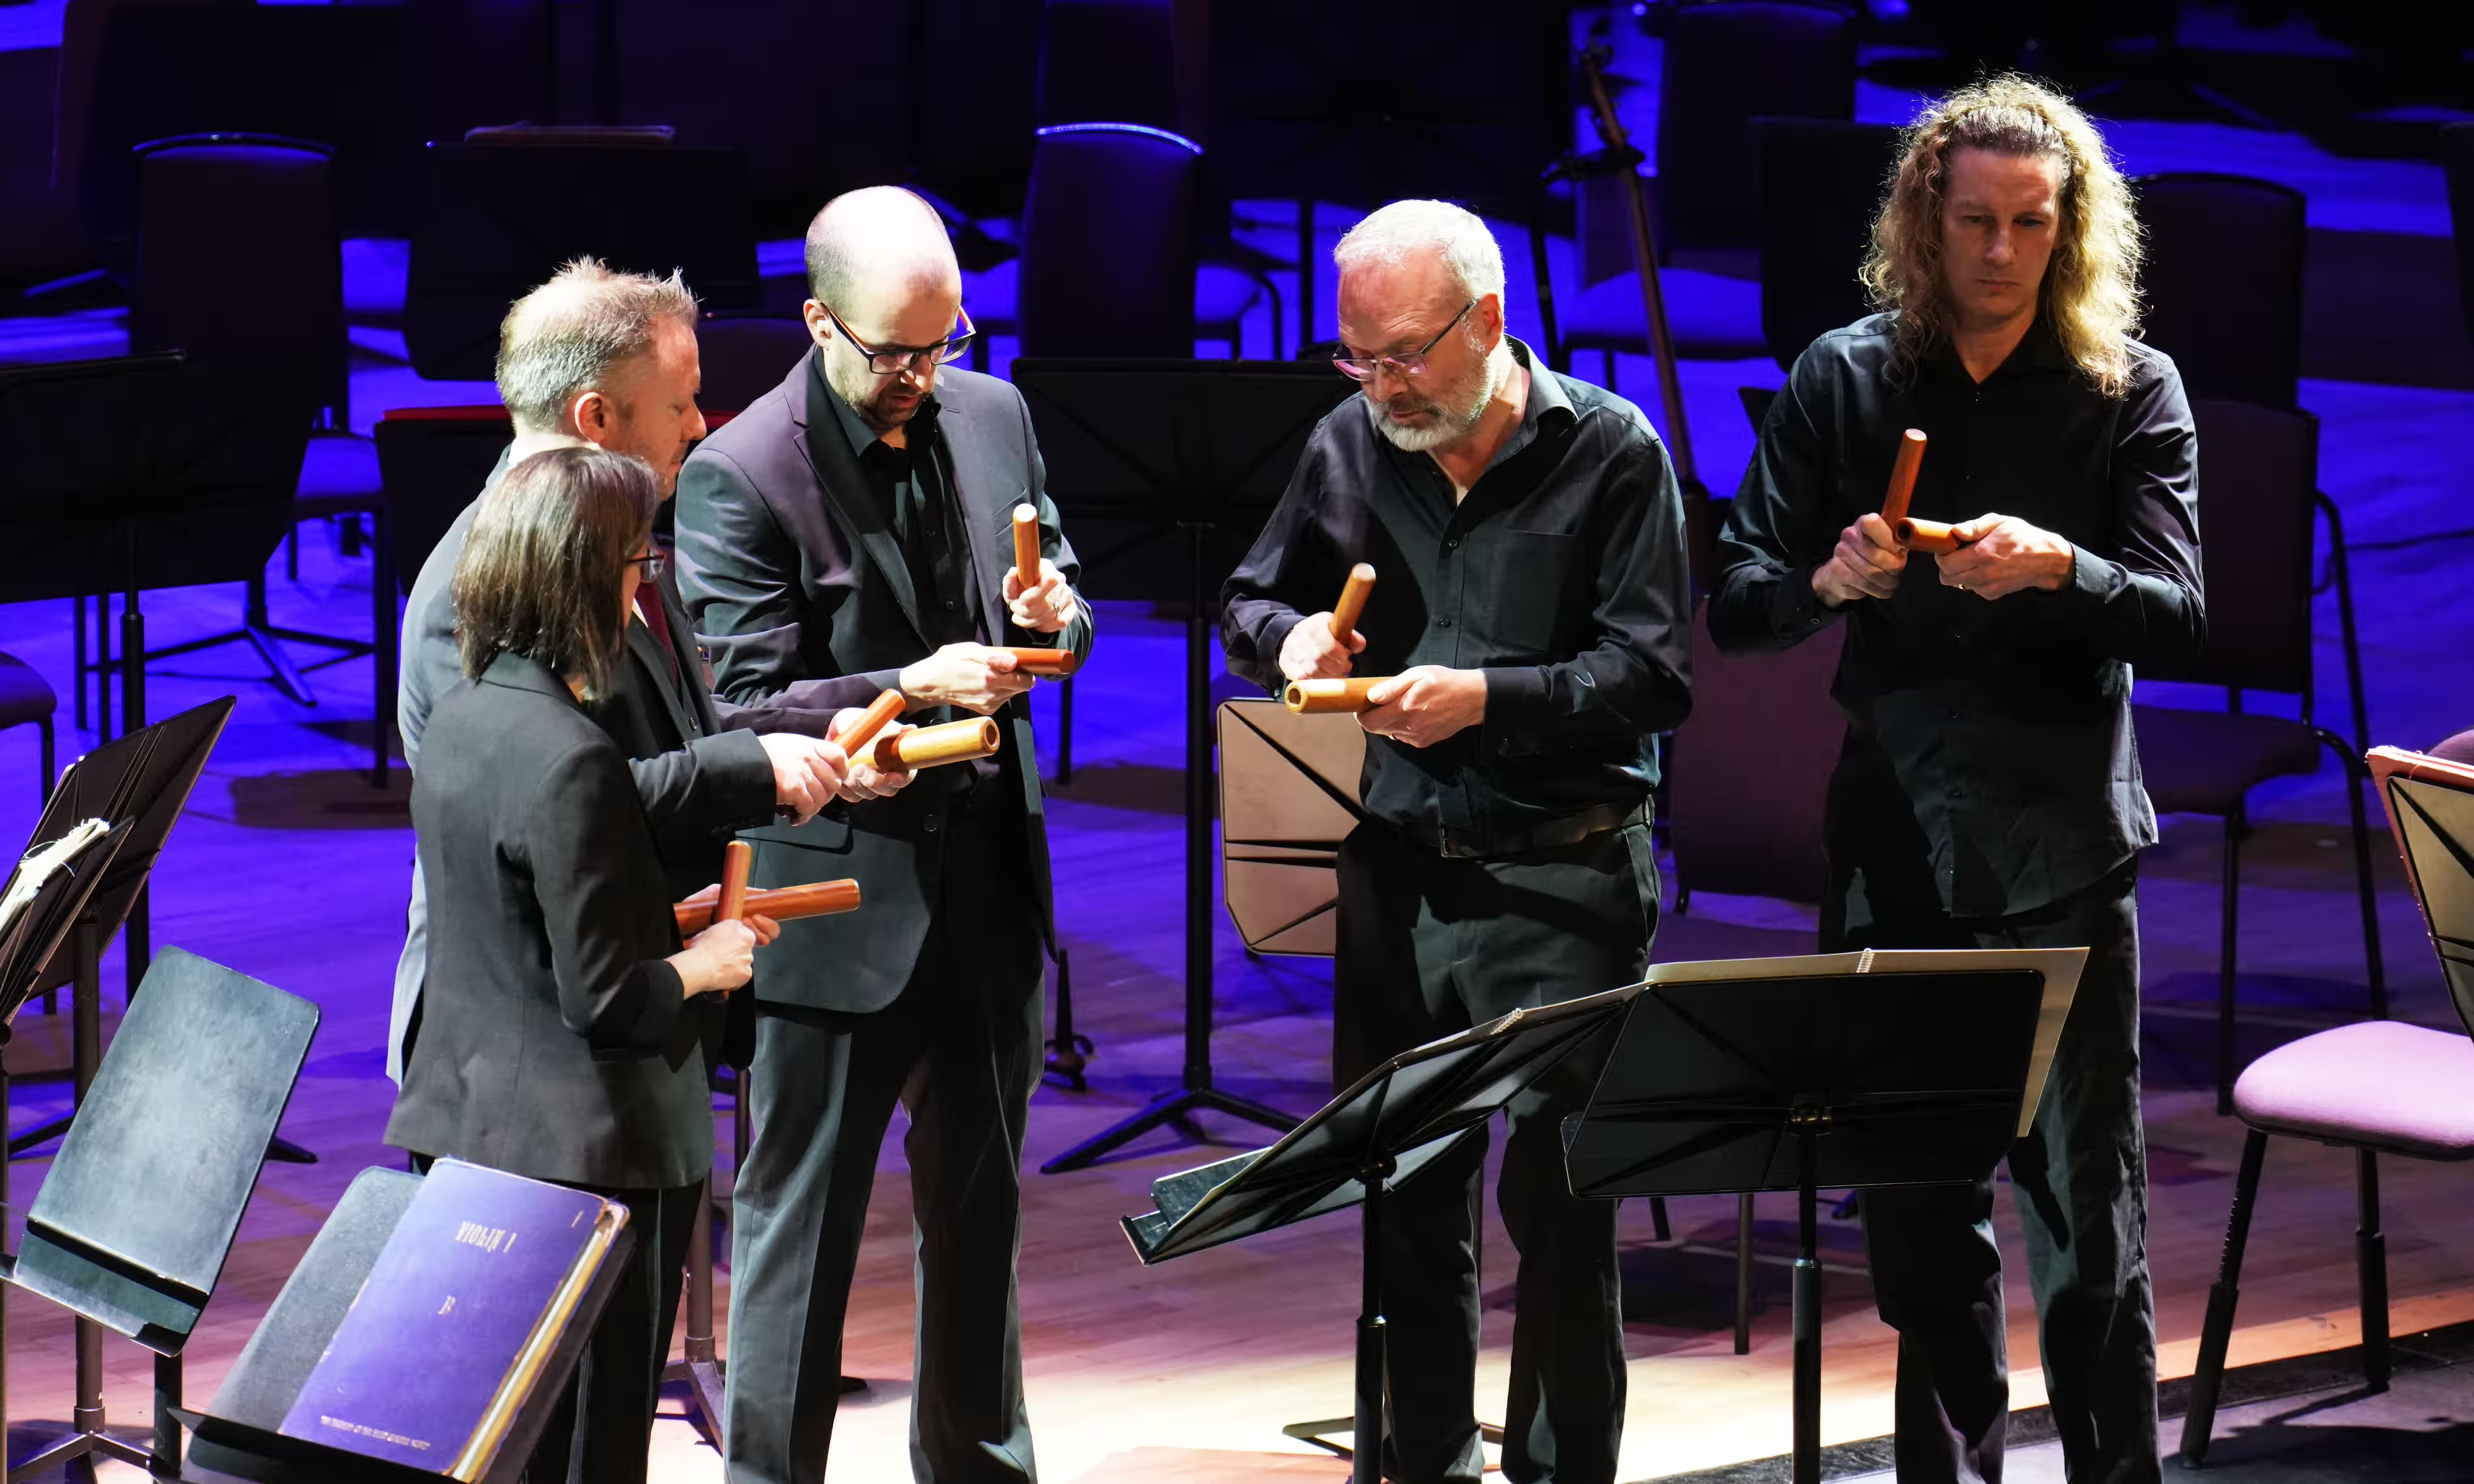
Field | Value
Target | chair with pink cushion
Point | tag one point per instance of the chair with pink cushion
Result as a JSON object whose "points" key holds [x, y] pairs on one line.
{"points": [[2380, 1087]]}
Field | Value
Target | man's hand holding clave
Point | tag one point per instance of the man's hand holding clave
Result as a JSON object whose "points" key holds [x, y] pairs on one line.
{"points": [[808, 774], [1045, 605], [2001, 555], [1865, 563], [973, 677], [1425, 704], [1310, 653], [865, 781]]}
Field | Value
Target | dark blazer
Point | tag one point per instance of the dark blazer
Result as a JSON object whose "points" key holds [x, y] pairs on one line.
{"points": [[554, 1043], [787, 562]]}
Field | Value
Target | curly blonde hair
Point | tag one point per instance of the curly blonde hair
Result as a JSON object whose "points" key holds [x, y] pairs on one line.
{"points": [[2091, 289]]}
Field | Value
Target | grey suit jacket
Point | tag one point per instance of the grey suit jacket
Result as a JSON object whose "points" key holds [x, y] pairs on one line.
{"points": [[787, 564], [696, 762]]}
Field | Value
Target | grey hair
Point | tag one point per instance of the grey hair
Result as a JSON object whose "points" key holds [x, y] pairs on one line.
{"points": [[1391, 233], [568, 336]]}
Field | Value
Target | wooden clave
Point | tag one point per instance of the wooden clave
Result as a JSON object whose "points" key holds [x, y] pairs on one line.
{"points": [[1311, 698], [1025, 543], [1903, 476], [926, 747], [1351, 605], [887, 705], [783, 904]]}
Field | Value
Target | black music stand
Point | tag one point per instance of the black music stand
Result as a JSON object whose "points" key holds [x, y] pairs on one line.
{"points": [[1391, 1123], [1191, 450], [1850, 1069], [240, 1436], [143, 472], [182, 1110]]}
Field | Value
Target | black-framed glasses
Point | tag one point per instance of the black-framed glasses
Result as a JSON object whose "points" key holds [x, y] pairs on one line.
{"points": [[1413, 363], [886, 360], [648, 566]]}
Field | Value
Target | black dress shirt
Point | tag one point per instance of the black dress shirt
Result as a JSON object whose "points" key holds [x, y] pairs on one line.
{"points": [[909, 483], [1989, 767], [1561, 575]]}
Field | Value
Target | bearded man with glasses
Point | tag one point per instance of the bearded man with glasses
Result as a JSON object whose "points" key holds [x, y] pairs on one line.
{"points": [[849, 534], [1534, 613]]}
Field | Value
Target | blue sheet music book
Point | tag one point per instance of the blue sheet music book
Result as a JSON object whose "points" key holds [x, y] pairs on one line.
{"points": [[450, 1329]]}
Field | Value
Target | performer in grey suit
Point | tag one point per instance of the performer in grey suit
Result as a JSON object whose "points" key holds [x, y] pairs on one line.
{"points": [[606, 359], [848, 534]]}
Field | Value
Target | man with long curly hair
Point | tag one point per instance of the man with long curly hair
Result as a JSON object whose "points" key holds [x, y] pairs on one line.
{"points": [[1988, 794]]}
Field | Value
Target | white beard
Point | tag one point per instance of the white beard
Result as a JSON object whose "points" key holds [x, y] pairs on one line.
{"points": [[1452, 420]]}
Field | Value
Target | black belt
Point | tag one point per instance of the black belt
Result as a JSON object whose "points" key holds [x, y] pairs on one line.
{"points": [[1554, 834]]}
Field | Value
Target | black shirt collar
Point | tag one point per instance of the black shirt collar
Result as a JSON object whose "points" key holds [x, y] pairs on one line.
{"points": [[2039, 349]]}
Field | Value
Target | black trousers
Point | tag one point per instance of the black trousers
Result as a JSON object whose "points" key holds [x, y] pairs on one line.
{"points": [[2080, 1179], [1429, 945], [961, 1047]]}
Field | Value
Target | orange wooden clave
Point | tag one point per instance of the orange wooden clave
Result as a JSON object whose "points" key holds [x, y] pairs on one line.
{"points": [[887, 705], [736, 859], [1309, 697], [1025, 542], [1924, 535], [1902, 475], [926, 747], [1351, 605], [1056, 664], [783, 904]]}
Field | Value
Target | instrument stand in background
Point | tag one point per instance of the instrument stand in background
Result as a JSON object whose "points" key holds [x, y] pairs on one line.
{"points": [[1396, 1119], [1196, 451], [1618, 157], [1845, 1069]]}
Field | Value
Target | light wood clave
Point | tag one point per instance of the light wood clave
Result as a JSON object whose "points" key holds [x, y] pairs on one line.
{"points": [[927, 747], [1351, 605], [1309, 697]]}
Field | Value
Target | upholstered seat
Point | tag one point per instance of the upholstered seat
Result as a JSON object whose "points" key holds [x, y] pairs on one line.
{"points": [[2203, 762], [2382, 1084]]}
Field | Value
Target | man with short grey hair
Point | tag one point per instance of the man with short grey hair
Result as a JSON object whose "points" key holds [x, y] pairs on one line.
{"points": [[1534, 621], [607, 358]]}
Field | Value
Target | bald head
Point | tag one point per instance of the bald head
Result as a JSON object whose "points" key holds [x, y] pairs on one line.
{"points": [[878, 243], [883, 282]]}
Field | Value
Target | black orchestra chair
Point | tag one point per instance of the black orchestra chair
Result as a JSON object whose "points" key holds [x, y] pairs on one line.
{"points": [[1818, 182], [240, 259], [2231, 322], [2378, 1086], [25, 696], [2262, 469]]}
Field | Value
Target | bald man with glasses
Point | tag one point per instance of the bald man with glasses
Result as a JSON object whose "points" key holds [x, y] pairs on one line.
{"points": [[849, 534]]}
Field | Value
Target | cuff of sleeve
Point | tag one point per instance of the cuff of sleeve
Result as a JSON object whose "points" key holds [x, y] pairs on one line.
{"points": [[742, 760], [1803, 612], [665, 998], [2093, 579], [1276, 638], [1515, 698]]}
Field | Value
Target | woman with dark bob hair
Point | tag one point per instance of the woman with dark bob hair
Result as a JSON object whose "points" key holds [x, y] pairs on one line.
{"points": [[555, 1042]]}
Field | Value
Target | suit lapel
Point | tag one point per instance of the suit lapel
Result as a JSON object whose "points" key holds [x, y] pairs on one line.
{"points": [[648, 652], [828, 452]]}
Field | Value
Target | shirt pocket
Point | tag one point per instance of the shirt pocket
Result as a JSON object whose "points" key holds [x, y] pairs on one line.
{"points": [[1528, 587]]}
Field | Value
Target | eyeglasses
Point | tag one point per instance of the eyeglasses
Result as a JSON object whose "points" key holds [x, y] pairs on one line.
{"points": [[886, 360], [1362, 368], [648, 566]]}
